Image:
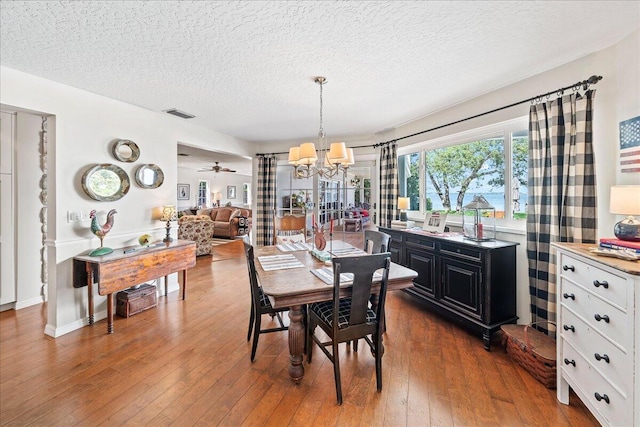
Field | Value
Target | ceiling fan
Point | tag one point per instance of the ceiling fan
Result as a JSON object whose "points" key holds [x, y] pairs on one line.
{"points": [[216, 168]]}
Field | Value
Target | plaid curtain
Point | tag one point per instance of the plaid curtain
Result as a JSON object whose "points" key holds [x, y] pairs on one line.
{"points": [[266, 196], [562, 191], [388, 183]]}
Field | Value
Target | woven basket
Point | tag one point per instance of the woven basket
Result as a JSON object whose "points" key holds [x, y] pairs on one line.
{"points": [[535, 351]]}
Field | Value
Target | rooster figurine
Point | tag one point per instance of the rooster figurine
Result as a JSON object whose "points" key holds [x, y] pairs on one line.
{"points": [[101, 231]]}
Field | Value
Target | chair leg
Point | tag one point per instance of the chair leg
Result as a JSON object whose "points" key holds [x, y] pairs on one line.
{"points": [[378, 355], [309, 339], [256, 335], [251, 316], [336, 372]]}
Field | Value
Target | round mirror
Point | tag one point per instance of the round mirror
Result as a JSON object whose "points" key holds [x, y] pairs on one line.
{"points": [[125, 150], [149, 176], [105, 182]]}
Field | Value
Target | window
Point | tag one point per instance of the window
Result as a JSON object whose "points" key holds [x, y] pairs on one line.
{"points": [[445, 174], [203, 194], [246, 193]]}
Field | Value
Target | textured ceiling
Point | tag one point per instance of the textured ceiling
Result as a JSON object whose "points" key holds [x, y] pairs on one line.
{"points": [[246, 68]]}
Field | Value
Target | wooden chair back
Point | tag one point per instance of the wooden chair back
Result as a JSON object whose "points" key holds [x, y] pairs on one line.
{"points": [[289, 225], [376, 242]]}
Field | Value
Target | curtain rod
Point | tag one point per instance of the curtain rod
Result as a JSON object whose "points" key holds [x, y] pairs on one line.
{"points": [[576, 86]]}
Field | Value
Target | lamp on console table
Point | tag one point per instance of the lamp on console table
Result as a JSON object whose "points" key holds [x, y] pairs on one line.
{"points": [[625, 200], [168, 214], [403, 205], [218, 196]]}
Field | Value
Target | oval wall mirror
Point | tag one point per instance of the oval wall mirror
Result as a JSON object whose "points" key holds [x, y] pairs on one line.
{"points": [[105, 182], [149, 176], [125, 150]]}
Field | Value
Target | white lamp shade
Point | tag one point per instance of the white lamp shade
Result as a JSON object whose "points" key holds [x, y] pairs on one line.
{"points": [[294, 155], [218, 196], [308, 153], [349, 160], [337, 152], [403, 203], [168, 213], [625, 200]]}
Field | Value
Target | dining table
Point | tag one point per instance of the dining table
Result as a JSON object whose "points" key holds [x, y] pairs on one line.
{"points": [[288, 279]]}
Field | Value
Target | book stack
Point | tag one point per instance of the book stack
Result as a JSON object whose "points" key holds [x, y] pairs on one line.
{"points": [[621, 245], [401, 225]]}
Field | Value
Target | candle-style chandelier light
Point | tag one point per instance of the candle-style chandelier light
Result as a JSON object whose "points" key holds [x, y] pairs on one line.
{"points": [[307, 162]]}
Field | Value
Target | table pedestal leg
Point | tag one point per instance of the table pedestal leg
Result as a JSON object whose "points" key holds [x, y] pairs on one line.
{"points": [[297, 335], [110, 313], [166, 286]]}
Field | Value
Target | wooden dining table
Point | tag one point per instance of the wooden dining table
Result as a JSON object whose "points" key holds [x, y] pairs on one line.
{"points": [[296, 287]]}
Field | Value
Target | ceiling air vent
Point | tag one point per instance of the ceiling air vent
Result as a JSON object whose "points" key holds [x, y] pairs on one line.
{"points": [[179, 113]]}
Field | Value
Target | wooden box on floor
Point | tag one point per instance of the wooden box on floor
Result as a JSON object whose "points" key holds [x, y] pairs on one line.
{"points": [[133, 301]]}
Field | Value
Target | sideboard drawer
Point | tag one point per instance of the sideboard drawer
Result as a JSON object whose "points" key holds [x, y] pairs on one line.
{"points": [[609, 286], [619, 410]]}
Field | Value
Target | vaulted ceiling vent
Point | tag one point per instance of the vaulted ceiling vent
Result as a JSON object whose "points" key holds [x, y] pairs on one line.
{"points": [[179, 113]]}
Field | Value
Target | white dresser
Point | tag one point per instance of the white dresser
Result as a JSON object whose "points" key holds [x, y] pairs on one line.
{"points": [[598, 339]]}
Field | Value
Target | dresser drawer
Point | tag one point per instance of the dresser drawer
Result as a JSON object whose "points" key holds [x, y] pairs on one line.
{"points": [[588, 343], [618, 412], [618, 328], [609, 286]]}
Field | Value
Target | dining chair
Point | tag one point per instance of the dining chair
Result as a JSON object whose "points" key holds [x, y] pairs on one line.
{"points": [[376, 242], [350, 318], [259, 304], [288, 226]]}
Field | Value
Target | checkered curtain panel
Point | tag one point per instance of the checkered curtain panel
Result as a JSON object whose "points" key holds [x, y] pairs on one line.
{"points": [[388, 183], [562, 191], [266, 196]]}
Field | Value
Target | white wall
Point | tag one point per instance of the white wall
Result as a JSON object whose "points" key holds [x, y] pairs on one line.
{"points": [[217, 182], [82, 127]]}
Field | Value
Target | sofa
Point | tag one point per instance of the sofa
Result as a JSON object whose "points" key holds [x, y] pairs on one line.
{"points": [[355, 213], [207, 224]]}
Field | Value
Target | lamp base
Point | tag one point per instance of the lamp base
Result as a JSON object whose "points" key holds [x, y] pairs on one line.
{"points": [[628, 229], [168, 237], [403, 216]]}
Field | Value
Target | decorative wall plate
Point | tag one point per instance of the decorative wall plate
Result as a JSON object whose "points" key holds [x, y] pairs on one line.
{"points": [[149, 176], [125, 150], [105, 182]]}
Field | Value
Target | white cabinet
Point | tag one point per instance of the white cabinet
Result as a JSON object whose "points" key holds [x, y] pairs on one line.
{"points": [[599, 333], [7, 221]]}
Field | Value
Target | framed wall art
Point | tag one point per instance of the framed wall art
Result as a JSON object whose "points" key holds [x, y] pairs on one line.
{"points": [[231, 191], [183, 191]]}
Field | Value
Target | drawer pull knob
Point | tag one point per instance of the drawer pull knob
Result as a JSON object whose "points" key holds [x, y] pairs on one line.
{"points": [[598, 283], [569, 328], [569, 362], [568, 267], [603, 357], [600, 397], [566, 296], [599, 318]]}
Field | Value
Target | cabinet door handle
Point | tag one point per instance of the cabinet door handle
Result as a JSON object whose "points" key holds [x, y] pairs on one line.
{"points": [[603, 357], [603, 317], [598, 283], [566, 296], [568, 267], [569, 362], [600, 397], [569, 328]]}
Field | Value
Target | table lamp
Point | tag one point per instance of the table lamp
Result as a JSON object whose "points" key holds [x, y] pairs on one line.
{"points": [[168, 215], [403, 205], [625, 200], [218, 196]]}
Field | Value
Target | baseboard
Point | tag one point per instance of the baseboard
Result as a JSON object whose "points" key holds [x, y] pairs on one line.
{"points": [[56, 332], [28, 303]]}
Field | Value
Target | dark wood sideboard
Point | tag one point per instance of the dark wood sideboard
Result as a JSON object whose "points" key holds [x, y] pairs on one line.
{"points": [[472, 283]]}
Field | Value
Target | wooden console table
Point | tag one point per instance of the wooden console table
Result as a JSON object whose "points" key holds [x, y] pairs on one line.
{"points": [[119, 270]]}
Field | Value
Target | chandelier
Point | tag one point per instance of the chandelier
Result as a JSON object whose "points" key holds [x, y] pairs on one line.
{"points": [[307, 162]]}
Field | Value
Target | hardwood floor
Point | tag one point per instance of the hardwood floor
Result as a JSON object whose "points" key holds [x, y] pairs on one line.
{"points": [[187, 363]]}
